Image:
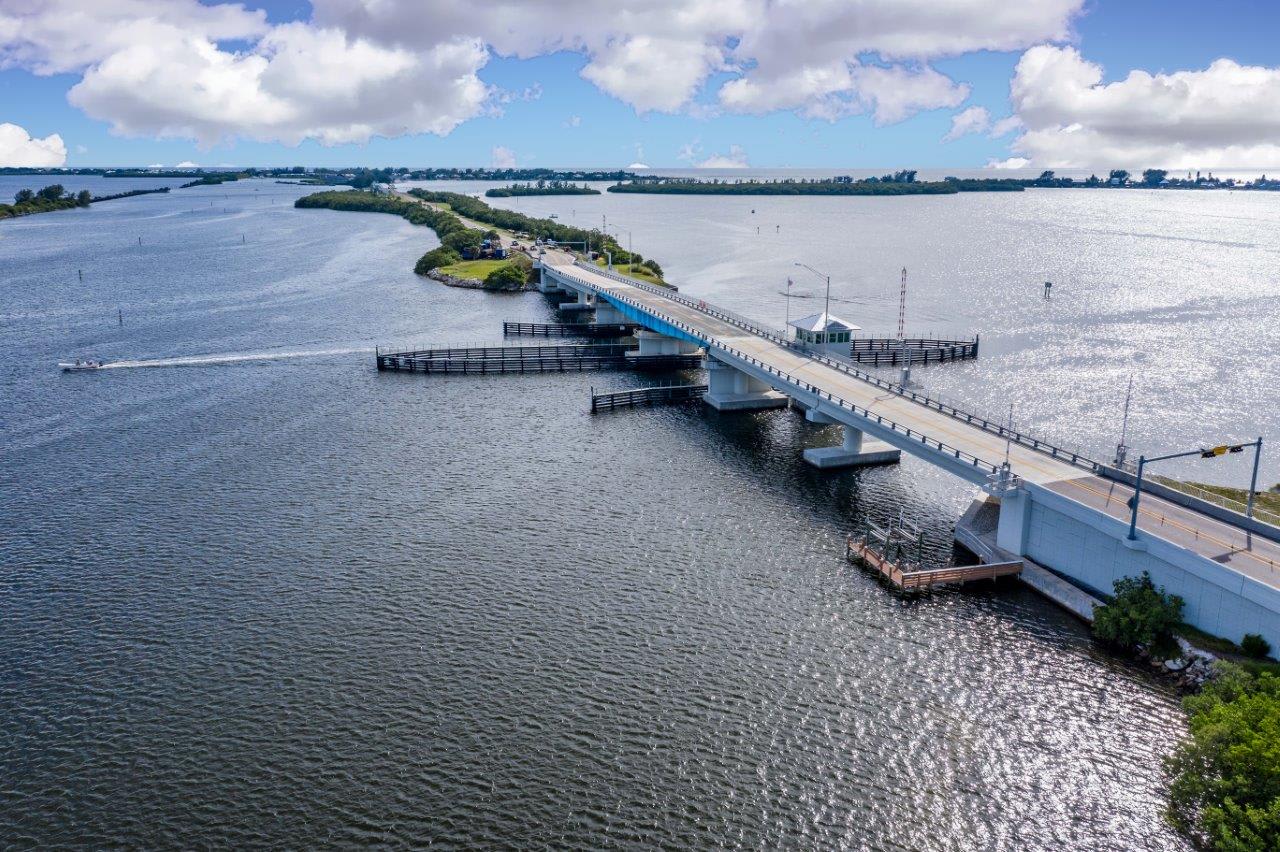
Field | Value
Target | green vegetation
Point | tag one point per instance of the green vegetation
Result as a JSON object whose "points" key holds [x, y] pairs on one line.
{"points": [[50, 198], [212, 180], [508, 276], [1255, 646], [542, 187], [443, 223], [454, 235], [518, 223], [1139, 615], [84, 193], [1226, 778], [478, 269], [639, 271], [438, 258]]}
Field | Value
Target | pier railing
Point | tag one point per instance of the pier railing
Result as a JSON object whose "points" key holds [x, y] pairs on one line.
{"points": [[645, 396], [988, 424]]}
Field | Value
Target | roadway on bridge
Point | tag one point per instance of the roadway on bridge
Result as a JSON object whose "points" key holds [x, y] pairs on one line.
{"points": [[1222, 542]]}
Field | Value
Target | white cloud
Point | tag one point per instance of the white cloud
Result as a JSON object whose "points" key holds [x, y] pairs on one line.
{"points": [[502, 158], [1010, 163], [1005, 126], [735, 159], [19, 148], [364, 68], [573, 121], [638, 166], [187, 164], [1226, 115], [972, 120]]}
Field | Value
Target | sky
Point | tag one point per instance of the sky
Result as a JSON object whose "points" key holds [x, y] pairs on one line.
{"points": [[966, 84]]}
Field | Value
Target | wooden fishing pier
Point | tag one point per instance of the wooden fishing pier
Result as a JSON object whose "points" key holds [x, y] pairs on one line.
{"points": [[562, 358], [886, 351], [568, 329], [645, 396], [896, 553]]}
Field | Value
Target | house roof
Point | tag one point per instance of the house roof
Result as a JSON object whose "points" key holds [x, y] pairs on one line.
{"points": [[823, 322]]}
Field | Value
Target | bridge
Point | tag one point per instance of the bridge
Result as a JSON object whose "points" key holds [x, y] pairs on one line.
{"points": [[1059, 509]]}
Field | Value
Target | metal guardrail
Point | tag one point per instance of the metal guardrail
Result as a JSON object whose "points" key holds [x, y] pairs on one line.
{"points": [[1075, 458], [1193, 490], [787, 378]]}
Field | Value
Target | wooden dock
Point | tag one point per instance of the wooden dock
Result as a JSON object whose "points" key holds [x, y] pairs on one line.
{"points": [[645, 396], [568, 329], [896, 553], [885, 351]]}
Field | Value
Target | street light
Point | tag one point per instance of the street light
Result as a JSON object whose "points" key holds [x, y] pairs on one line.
{"points": [[1206, 453], [826, 311], [631, 262]]}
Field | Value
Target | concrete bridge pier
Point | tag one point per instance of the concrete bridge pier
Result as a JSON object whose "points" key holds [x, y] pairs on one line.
{"points": [[653, 343], [729, 389], [585, 301], [1015, 521], [856, 450], [607, 314]]}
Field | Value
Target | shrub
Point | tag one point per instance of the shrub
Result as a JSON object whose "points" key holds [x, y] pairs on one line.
{"points": [[464, 238], [1139, 614], [1226, 777], [1255, 646], [507, 277], [652, 266], [437, 257]]}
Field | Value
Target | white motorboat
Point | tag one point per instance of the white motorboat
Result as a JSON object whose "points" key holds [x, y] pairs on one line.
{"points": [[78, 365]]}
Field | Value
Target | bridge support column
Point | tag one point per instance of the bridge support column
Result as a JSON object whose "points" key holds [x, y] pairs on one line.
{"points": [[729, 389], [856, 450], [607, 314], [584, 301], [1015, 521], [547, 284], [652, 343]]}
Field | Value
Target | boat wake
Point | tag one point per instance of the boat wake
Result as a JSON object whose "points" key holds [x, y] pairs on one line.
{"points": [[234, 358]]}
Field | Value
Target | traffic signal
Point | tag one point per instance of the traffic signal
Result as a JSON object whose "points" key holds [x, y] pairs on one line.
{"points": [[1221, 450]]}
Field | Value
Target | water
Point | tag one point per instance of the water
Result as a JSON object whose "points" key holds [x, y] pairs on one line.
{"points": [[269, 596]]}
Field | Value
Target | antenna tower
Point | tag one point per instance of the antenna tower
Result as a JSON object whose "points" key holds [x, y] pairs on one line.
{"points": [[902, 306]]}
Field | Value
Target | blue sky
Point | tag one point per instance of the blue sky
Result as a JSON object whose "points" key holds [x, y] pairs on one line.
{"points": [[542, 112]]}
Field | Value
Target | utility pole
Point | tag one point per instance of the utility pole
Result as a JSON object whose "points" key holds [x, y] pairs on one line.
{"points": [[1122, 449], [904, 378]]}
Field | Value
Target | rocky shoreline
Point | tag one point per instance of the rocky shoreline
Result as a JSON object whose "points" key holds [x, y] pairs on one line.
{"points": [[475, 283]]}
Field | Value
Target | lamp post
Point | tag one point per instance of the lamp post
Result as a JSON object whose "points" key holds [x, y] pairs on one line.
{"points": [[631, 263], [826, 310]]}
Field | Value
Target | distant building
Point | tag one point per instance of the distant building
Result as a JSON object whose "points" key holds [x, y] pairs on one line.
{"points": [[825, 331]]}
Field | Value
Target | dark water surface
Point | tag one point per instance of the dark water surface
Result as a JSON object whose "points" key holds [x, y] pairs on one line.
{"points": [[287, 601]]}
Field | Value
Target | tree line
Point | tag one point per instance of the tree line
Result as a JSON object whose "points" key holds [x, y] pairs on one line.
{"points": [[541, 187]]}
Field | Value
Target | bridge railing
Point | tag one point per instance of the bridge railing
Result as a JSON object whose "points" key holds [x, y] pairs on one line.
{"points": [[786, 378], [989, 424]]}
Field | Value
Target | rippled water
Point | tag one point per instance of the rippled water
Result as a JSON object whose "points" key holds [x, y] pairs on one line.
{"points": [[286, 600]]}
